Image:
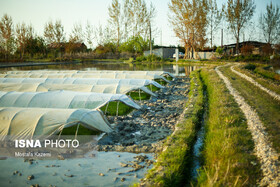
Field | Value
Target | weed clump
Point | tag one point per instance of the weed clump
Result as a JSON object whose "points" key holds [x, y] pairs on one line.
{"points": [[251, 67]]}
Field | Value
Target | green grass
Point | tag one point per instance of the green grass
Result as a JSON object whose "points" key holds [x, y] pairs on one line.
{"points": [[168, 77], [95, 59], [266, 107], [267, 74], [135, 95], [267, 83], [152, 88], [144, 96], [112, 109], [173, 165], [228, 146], [81, 131], [39, 60], [195, 62], [263, 71], [161, 82]]}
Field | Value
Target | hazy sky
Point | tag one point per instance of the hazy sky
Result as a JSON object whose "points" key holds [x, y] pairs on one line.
{"points": [[38, 12]]}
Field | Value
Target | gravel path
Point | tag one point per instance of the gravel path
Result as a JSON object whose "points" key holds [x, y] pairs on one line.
{"points": [[267, 155], [273, 94]]}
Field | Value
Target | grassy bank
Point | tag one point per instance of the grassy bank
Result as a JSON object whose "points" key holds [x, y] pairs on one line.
{"points": [[228, 158], [265, 71], [194, 62], [70, 60], [173, 164], [266, 107], [265, 82], [267, 74]]}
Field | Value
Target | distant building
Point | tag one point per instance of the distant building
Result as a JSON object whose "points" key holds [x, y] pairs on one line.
{"points": [[256, 47], [203, 55], [163, 52]]}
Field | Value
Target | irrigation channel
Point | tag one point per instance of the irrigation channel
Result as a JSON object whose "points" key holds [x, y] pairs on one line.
{"points": [[119, 160], [197, 156]]}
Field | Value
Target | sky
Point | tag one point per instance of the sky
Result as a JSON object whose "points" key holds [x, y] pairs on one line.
{"points": [[38, 12]]}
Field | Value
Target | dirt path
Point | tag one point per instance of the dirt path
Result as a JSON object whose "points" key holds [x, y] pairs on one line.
{"points": [[271, 93], [267, 155]]}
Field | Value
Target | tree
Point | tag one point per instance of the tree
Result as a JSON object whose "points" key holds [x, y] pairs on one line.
{"points": [[23, 34], [102, 50], [49, 32], [115, 19], [77, 35], [214, 19], [238, 13], [269, 23], [137, 17], [59, 32], [89, 34], [35, 45], [135, 44], [201, 25], [219, 51], [133, 18], [103, 35], [251, 32], [7, 34], [189, 21], [127, 19], [54, 32]]}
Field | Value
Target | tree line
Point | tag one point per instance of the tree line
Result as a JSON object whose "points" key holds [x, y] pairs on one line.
{"points": [[127, 31], [130, 26], [191, 19]]}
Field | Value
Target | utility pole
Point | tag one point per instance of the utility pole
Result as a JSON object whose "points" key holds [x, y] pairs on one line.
{"points": [[150, 30], [177, 54], [161, 37], [222, 38], [193, 46]]}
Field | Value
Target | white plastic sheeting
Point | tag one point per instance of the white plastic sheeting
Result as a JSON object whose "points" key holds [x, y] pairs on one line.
{"points": [[42, 87], [23, 123], [91, 81], [160, 73], [62, 99], [86, 75]]}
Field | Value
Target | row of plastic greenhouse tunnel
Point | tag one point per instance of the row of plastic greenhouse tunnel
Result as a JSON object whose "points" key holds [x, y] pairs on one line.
{"points": [[46, 102]]}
